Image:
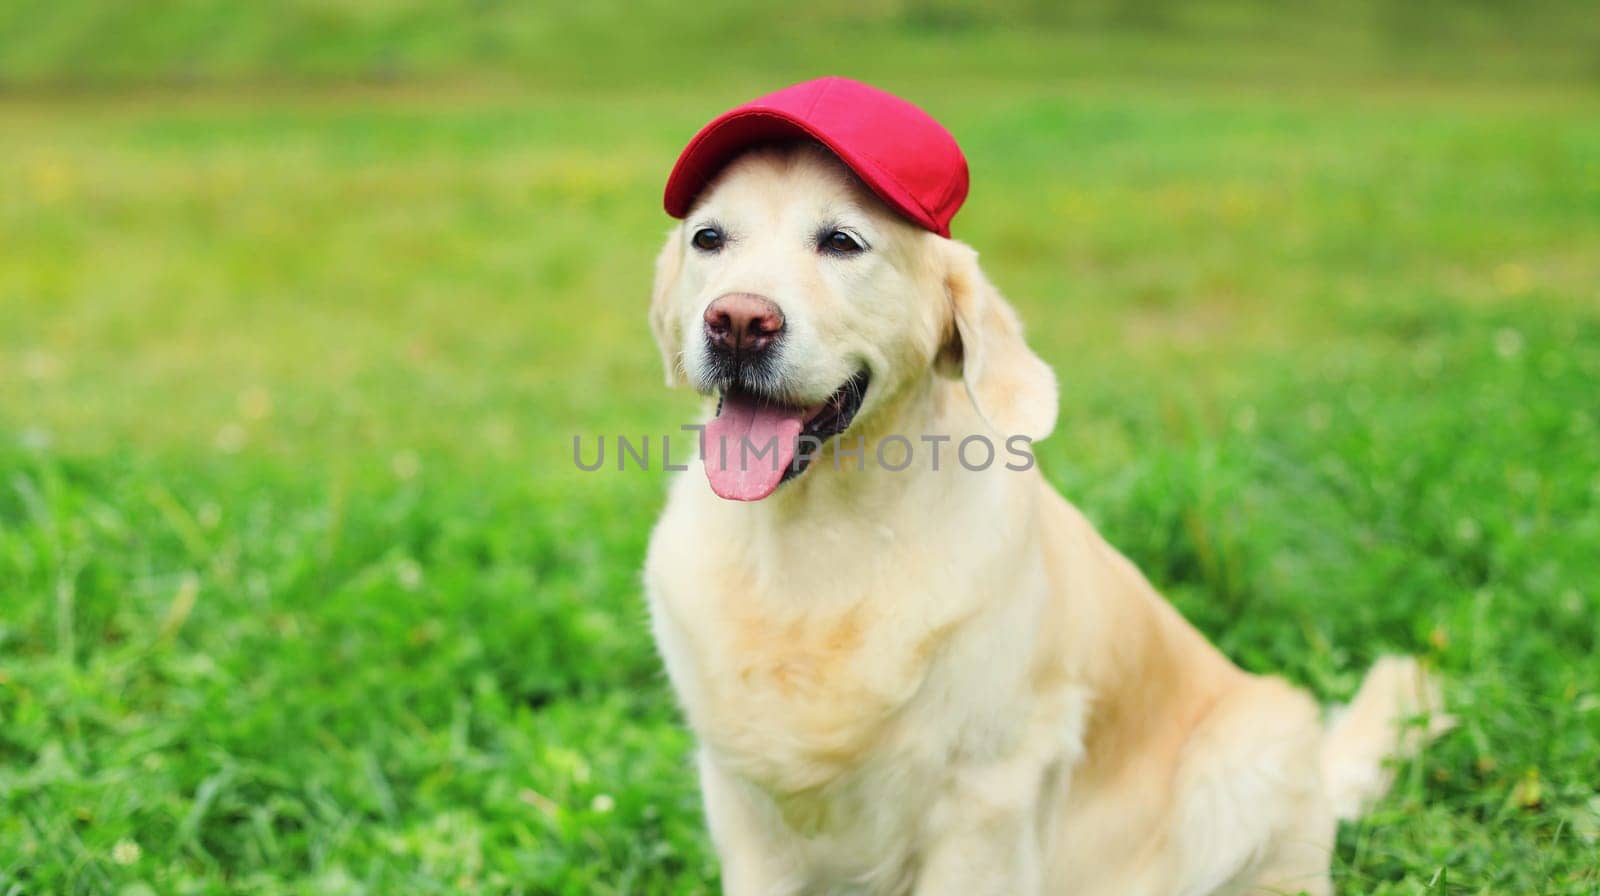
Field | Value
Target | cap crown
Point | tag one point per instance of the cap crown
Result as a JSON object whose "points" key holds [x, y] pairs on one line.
{"points": [[899, 151]]}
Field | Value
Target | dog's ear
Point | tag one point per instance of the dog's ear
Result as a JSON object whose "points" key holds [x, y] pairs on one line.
{"points": [[1011, 387], [662, 323]]}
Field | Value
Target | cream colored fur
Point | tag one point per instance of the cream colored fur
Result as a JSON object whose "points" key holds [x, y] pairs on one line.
{"points": [[946, 682]]}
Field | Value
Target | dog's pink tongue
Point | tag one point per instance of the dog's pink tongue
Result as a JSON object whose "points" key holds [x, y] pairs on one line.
{"points": [[743, 429]]}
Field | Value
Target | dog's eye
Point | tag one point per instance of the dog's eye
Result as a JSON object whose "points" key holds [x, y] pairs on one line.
{"points": [[841, 243], [707, 239]]}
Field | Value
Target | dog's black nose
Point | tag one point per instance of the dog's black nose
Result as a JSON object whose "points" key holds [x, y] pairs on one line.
{"points": [[743, 324]]}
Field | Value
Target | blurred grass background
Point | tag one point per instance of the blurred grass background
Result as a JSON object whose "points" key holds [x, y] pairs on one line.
{"points": [[301, 305]]}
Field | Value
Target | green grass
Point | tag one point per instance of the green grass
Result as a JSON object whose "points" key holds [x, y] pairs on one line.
{"points": [[301, 593], [629, 43]]}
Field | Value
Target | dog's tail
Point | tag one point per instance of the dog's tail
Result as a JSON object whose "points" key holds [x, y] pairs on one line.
{"points": [[1394, 715]]}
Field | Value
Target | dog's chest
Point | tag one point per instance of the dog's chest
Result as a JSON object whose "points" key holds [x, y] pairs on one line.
{"points": [[793, 701], [794, 687], [825, 713]]}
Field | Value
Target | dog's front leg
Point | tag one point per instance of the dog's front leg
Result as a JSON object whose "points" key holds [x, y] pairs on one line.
{"points": [[984, 834], [757, 858]]}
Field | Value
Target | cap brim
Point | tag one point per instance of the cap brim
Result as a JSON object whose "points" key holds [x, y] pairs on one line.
{"points": [[720, 141]]}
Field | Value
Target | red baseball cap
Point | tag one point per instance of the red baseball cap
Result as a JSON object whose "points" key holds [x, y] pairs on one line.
{"points": [[909, 160]]}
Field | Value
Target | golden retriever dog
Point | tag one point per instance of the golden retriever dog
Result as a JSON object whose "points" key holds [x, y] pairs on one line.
{"points": [[912, 672]]}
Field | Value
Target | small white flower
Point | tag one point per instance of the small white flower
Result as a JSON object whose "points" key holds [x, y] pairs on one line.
{"points": [[409, 574], [230, 438], [406, 465], [126, 852], [1507, 343]]}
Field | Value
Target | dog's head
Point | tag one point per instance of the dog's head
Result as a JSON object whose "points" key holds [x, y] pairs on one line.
{"points": [[807, 304]]}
